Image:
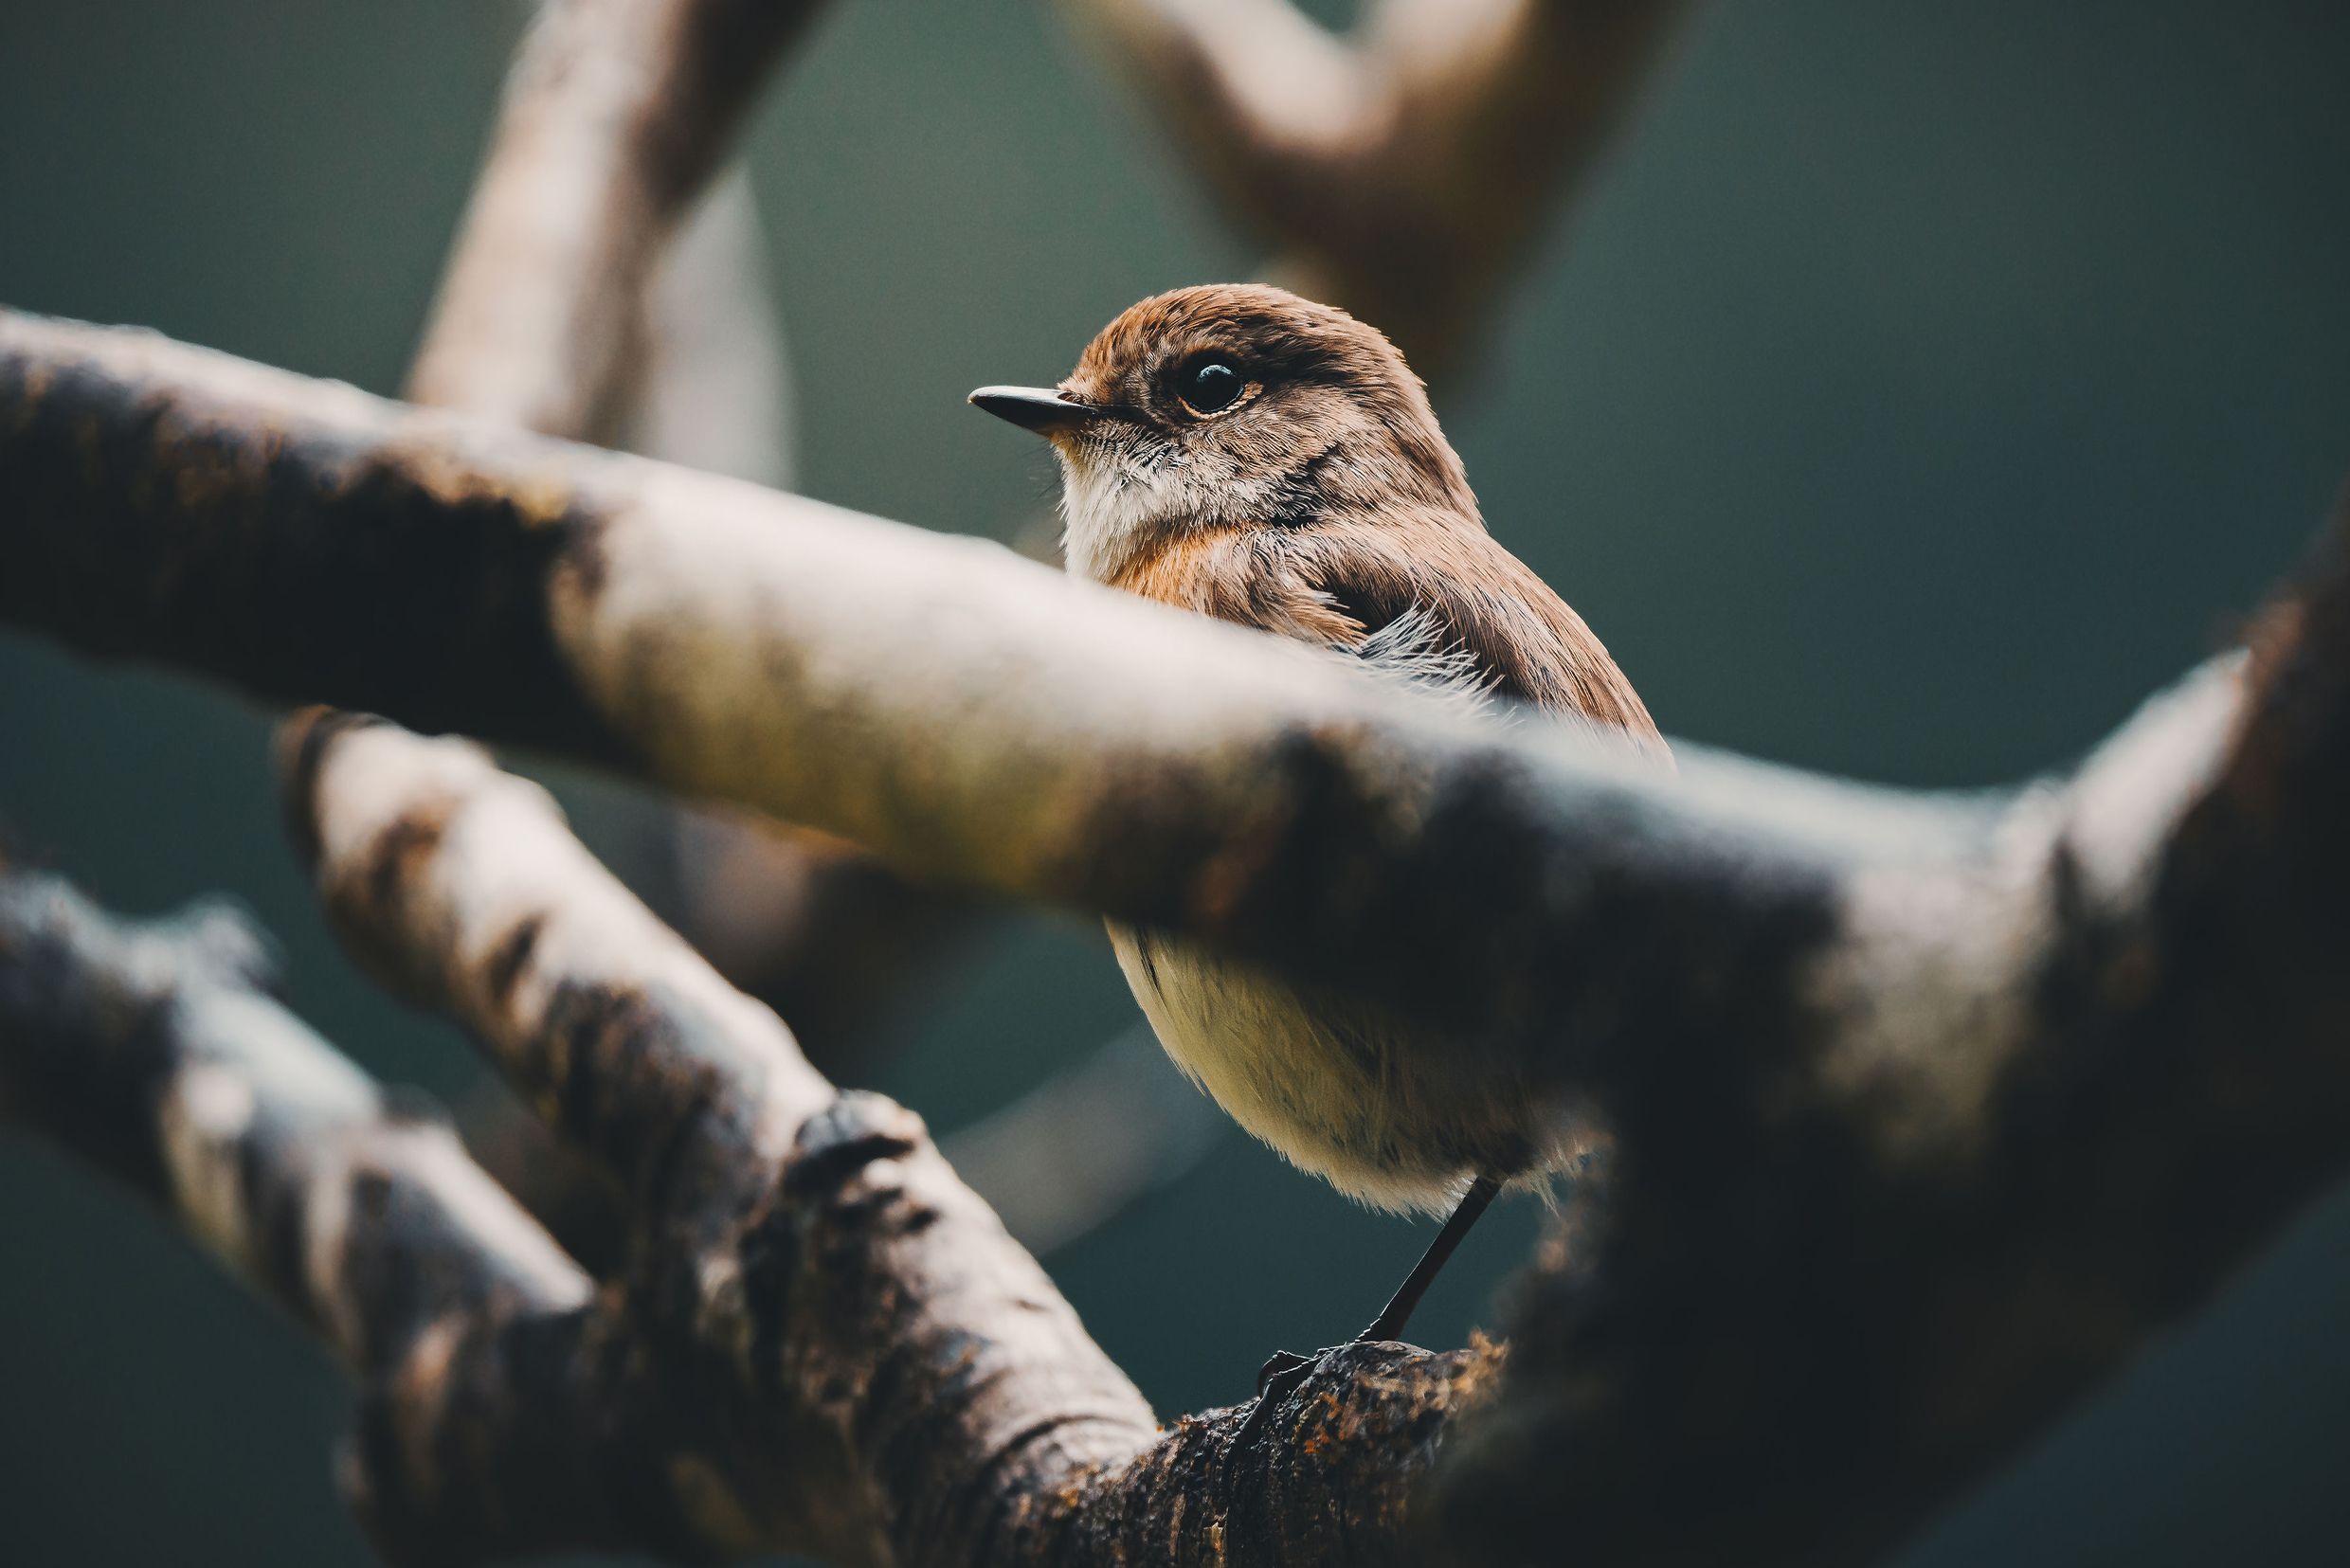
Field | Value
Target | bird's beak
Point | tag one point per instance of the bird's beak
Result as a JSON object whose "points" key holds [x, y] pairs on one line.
{"points": [[1038, 408]]}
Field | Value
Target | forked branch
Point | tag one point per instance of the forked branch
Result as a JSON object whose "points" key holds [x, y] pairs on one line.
{"points": [[927, 1396], [1930, 1110]]}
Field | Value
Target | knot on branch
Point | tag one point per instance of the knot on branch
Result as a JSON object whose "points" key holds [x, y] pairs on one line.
{"points": [[837, 1144], [828, 1199], [832, 1152]]}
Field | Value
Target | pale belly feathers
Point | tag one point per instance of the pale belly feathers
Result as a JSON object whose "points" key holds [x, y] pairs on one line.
{"points": [[1337, 1087]]}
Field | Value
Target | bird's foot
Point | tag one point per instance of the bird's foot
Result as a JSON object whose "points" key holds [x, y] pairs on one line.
{"points": [[1279, 1377], [1285, 1369]]}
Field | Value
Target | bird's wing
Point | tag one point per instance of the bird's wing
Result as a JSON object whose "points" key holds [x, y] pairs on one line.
{"points": [[1438, 603], [1450, 599]]}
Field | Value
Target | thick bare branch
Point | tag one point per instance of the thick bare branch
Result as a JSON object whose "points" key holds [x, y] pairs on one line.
{"points": [[617, 115], [1930, 1109], [1404, 172], [462, 887], [2004, 1135], [812, 1257], [970, 713], [973, 715]]}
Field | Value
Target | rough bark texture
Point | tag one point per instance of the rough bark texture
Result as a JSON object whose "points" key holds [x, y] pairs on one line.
{"points": [[1929, 1112], [1802, 1358], [157, 1052], [1407, 170], [924, 1393]]}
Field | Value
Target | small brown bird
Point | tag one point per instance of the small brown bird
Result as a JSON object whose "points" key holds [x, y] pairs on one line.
{"points": [[1255, 456]]}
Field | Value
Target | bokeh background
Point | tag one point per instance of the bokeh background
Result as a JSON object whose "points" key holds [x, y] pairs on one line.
{"points": [[1919, 387]]}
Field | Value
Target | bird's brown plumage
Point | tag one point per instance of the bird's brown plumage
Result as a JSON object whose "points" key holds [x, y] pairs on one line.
{"points": [[1373, 519], [1321, 503]]}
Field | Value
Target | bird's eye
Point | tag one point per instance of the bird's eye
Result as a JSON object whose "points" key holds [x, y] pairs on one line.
{"points": [[1211, 387]]}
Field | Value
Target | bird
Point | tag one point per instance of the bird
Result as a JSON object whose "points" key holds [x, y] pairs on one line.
{"points": [[1245, 453]]}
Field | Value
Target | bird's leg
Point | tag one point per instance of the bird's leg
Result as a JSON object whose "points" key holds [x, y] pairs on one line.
{"points": [[1392, 1317], [1285, 1369]]}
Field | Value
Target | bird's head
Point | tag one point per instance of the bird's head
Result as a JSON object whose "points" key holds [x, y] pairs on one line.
{"points": [[1233, 406]]}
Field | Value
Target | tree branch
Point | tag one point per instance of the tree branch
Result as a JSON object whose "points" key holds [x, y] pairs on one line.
{"points": [[977, 717], [617, 115], [155, 1051], [1406, 170], [1930, 1110], [565, 310], [813, 1252], [2014, 1115], [829, 1344]]}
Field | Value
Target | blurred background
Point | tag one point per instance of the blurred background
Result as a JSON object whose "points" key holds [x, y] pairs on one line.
{"points": [[1918, 387]]}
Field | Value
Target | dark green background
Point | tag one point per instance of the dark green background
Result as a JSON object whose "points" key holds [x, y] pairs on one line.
{"points": [[1921, 387]]}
